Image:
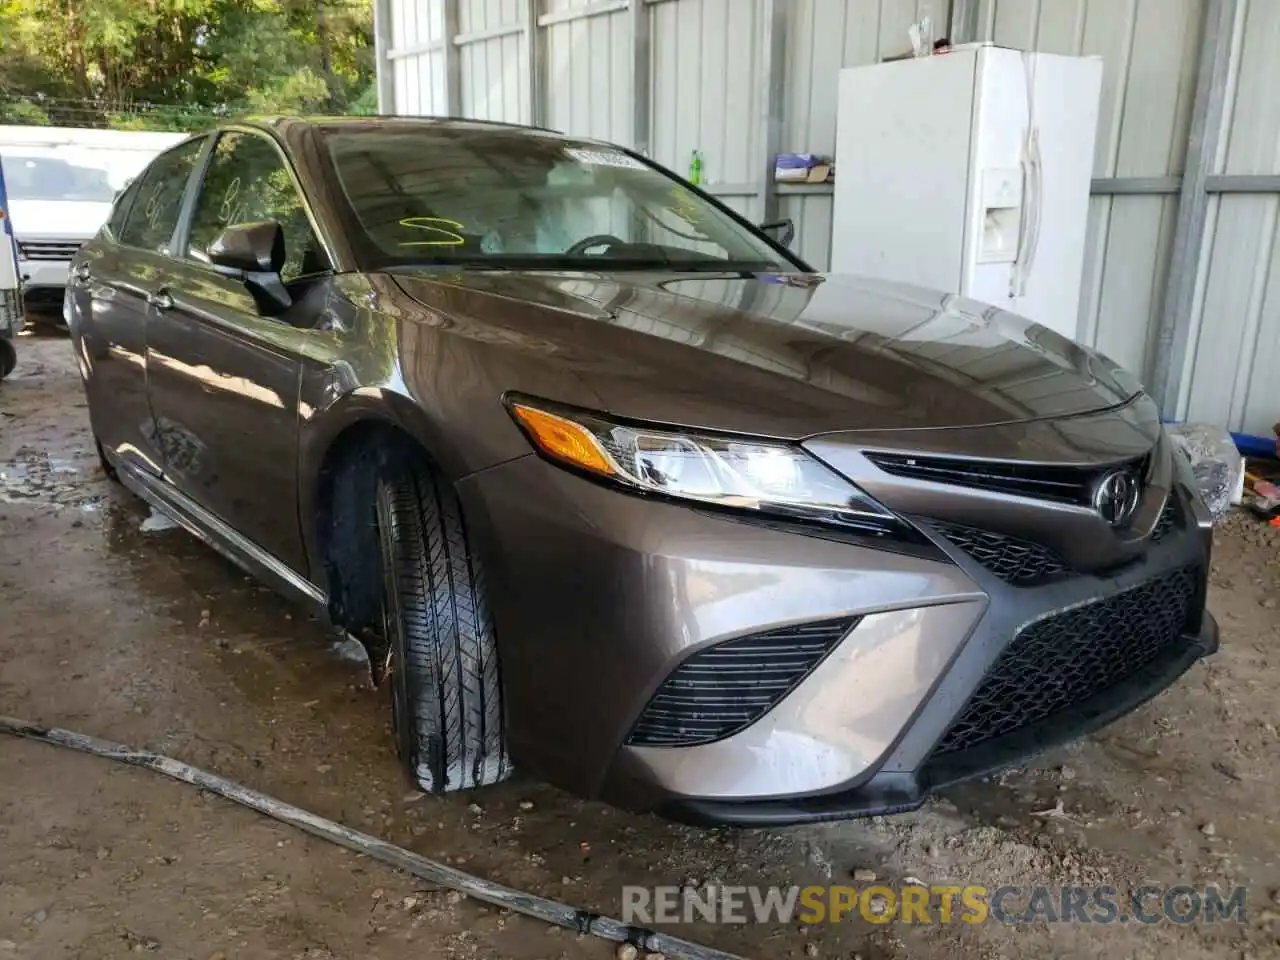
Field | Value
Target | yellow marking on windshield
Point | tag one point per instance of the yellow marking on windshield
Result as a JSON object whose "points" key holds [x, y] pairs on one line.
{"points": [[685, 206], [447, 238]]}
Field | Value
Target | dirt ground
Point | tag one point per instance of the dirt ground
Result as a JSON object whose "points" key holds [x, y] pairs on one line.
{"points": [[150, 639]]}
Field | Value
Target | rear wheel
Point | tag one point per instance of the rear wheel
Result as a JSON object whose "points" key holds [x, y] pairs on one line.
{"points": [[444, 678], [8, 357]]}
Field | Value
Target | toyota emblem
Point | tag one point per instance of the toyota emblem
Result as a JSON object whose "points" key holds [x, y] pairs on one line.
{"points": [[1116, 496]]}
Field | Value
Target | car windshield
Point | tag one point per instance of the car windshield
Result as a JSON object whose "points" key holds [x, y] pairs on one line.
{"points": [[505, 199], [34, 177]]}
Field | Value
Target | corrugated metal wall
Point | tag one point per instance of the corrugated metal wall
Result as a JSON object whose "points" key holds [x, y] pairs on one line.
{"points": [[824, 36], [706, 92], [589, 73], [418, 66], [493, 69], [1149, 50], [705, 86], [1231, 376], [706, 89]]}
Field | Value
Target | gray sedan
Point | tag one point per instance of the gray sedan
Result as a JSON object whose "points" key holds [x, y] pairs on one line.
{"points": [[614, 488]]}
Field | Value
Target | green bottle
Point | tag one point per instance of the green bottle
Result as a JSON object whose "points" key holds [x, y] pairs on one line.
{"points": [[695, 167]]}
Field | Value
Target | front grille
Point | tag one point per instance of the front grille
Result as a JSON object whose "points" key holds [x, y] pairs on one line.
{"points": [[1071, 656], [1023, 563], [1017, 562], [1057, 483], [48, 249], [719, 691]]}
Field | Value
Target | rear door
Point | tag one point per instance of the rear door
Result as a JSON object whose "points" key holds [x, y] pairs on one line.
{"points": [[224, 375], [109, 288]]}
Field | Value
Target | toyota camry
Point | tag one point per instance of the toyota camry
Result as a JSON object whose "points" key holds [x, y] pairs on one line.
{"points": [[615, 488]]}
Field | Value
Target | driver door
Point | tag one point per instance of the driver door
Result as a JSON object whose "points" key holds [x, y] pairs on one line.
{"points": [[224, 375]]}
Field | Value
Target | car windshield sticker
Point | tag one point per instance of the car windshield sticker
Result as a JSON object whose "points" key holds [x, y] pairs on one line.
{"points": [[439, 230], [604, 158]]}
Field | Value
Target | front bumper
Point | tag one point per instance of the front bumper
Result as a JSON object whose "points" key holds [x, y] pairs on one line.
{"points": [[44, 273], [43, 282], [599, 596], [888, 791]]}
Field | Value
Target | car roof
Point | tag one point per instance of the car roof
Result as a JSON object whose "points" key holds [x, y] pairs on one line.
{"points": [[398, 124]]}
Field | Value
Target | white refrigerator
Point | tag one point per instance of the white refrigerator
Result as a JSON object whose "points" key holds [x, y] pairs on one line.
{"points": [[969, 172]]}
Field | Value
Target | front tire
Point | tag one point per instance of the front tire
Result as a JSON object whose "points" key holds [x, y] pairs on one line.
{"points": [[108, 469], [8, 357], [444, 677]]}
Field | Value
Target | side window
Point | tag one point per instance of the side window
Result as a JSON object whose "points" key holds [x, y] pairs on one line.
{"points": [[157, 198], [247, 181]]}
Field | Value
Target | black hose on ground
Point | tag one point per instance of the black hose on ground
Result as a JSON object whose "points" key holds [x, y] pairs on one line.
{"points": [[540, 908]]}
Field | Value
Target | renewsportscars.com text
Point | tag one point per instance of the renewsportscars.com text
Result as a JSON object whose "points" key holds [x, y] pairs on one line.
{"points": [[934, 904]]}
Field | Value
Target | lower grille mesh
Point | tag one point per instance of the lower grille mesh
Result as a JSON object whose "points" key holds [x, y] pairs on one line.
{"points": [[1067, 658], [718, 691], [1023, 563], [1015, 561]]}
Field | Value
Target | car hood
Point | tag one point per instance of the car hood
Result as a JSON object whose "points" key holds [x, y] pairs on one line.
{"points": [[57, 219], [788, 356]]}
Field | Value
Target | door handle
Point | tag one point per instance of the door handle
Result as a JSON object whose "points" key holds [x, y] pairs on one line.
{"points": [[160, 300]]}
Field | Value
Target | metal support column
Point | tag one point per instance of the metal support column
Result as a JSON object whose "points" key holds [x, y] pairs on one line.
{"points": [[641, 66], [382, 64], [1217, 49], [452, 61], [535, 64], [773, 47]]}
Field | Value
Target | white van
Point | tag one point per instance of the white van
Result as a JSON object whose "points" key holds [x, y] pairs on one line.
{"points": [[61, 182]]}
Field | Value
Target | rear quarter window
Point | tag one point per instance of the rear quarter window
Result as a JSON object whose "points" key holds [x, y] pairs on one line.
{"points": [[120, 209], [157, 195]]}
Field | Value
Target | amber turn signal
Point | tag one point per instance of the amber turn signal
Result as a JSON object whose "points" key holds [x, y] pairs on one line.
{"points": [[563, 439]]}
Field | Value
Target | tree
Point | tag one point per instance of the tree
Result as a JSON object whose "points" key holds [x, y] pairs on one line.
{"points": [[178, 63]]}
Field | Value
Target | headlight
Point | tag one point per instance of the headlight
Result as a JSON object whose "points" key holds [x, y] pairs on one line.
{"points": [[742, 474]]}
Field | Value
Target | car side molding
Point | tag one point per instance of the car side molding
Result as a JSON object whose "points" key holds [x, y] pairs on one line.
{"points": [[241, 551]]}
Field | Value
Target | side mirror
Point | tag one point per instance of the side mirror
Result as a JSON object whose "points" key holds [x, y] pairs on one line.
{"points": [[781, 231], [254, 253]]}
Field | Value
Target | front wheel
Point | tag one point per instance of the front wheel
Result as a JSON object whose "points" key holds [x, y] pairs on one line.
{"points": [[444, 677], [8, 357]]}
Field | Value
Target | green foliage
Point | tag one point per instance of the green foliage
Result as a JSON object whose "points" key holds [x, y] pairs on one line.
{"points": [[302, 92], [365, 105], [23, 112], [179, 64], [150, 117]]}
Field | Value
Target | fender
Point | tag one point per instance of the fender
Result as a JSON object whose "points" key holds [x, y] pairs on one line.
{"points": [[323, 428]]}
